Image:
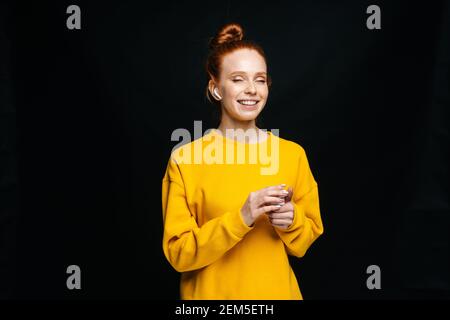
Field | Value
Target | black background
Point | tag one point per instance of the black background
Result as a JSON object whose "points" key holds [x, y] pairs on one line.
{"points": [[87, 117]]}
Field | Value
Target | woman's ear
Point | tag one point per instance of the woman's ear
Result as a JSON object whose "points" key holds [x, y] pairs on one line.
{"points": [[216, 94], [211, 87], [213, 90]]}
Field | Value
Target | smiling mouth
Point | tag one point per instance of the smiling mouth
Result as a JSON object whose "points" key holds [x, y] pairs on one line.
{"points": [[248, 103]]}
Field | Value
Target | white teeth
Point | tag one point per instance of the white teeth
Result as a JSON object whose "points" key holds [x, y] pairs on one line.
{"points": [[248, 102]]}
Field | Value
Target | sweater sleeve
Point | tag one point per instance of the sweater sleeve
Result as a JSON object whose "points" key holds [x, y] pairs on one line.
{"points": [[307, 224], [187, 246]]}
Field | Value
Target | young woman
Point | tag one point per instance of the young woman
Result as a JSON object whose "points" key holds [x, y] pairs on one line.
{"points": [[228, 225]]}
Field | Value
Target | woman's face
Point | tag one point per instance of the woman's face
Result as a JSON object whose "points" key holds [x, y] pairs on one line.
{"points": [[243, 84]]}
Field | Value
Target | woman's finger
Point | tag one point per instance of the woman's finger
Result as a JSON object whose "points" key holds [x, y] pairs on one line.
{"points": [[266, 209], [281, 226], [267, 200], [281, 221], [278, 193], [281, 215], [290, 193], [287, 207]]}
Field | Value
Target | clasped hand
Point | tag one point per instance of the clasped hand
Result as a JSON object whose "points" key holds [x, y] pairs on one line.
{"points": [[273, 201]]}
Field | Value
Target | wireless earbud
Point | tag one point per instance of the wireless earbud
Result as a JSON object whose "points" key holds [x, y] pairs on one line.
{"points": [[216, 94]]}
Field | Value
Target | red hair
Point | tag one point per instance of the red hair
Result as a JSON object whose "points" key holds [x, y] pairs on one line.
{"points": [[228, 39]]}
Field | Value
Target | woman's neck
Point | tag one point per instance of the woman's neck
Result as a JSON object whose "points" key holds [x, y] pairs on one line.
{"points": [[231, 130], [237, 125]]}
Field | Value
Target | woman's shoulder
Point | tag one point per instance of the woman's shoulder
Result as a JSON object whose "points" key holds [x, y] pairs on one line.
{"points": [[183, 152], [288, 145]]}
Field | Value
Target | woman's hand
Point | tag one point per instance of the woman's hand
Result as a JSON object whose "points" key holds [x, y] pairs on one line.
{"points": [[263, 201], [283, 217]]}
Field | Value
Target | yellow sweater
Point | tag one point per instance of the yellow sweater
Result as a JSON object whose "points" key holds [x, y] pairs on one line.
{"points": [[205, 237]]}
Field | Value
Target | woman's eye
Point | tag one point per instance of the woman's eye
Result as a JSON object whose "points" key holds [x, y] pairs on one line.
{"points": [[260, 80]]}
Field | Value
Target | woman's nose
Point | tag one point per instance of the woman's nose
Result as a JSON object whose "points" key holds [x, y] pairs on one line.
{"points": [[251, 89]]}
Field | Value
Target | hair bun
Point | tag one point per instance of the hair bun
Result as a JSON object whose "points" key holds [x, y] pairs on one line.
{"points": [[228, 33]]}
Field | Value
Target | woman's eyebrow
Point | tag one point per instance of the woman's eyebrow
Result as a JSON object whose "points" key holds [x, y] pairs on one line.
{"points": [[243, 72]]}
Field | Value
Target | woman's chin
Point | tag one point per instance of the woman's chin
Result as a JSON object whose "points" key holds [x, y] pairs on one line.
{"points": [[247, 116]]}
